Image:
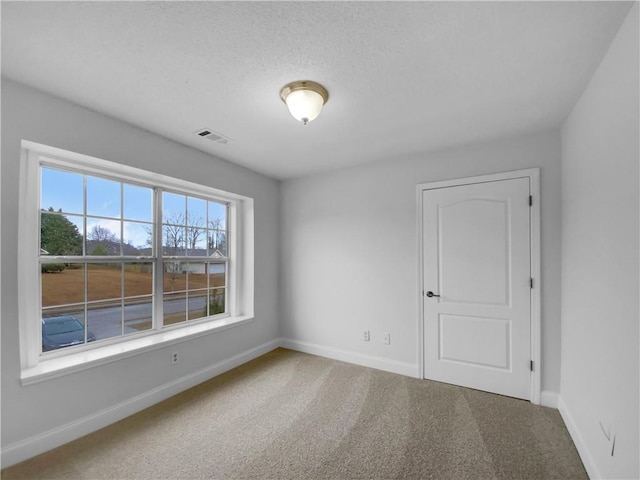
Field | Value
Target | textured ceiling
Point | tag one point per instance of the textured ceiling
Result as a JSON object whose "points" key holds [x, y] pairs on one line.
{"points": [[403, 78]]}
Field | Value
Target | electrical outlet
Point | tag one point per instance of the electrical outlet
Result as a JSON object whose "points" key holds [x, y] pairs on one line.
{"points": [[387, 338], [174, 358], [366, 336]]}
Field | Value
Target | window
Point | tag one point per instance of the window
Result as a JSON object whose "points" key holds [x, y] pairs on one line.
{"points": [[122, 254]]}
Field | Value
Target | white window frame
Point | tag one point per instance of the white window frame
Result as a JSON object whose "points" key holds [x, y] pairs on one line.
{"points": [[36, 367]]}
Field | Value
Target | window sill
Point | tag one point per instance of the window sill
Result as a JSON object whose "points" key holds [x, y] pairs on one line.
{"points": [[75, 362]]}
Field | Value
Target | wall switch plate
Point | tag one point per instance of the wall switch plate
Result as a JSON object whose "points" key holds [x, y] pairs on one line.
{"points": [[387, 338], [366, 336]]}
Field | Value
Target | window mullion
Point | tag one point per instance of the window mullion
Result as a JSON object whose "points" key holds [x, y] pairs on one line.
{"points": [[122, 263], [122, 299], [84, 215], [85, 276], [158, 278], [85, 270], [185, 249]]}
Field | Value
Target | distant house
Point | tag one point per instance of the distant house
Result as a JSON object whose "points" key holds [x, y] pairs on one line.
{"points": [[198, 266]]}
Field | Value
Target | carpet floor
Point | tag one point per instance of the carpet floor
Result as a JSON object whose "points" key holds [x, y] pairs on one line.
{"points": [[289, 415]]}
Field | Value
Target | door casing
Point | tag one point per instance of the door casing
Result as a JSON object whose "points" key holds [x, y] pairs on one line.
{"points": [[533, 174]]}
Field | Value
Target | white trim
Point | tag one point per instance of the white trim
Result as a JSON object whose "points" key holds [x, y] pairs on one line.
{"points": [[534, 188], [420, 283], [89, 164], [549, 399], [90, 358], [245, 260], [43, 442], [379, 363], [28, 279], [536, 291], [578, 440]]}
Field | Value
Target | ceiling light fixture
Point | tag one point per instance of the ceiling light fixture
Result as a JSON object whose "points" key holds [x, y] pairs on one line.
{"points": [[304, 99]]}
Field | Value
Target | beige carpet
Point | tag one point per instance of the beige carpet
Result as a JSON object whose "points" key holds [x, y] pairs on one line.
{"points": [[289, 415]]}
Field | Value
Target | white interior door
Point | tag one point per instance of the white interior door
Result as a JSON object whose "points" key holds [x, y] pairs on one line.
{"points": [[476, 254]]}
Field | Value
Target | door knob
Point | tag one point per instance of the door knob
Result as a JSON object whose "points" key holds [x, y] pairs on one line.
{"points": [[431, 294]]}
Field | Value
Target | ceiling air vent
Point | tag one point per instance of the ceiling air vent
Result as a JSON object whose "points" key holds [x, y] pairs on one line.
{"points": [[215, 137]]}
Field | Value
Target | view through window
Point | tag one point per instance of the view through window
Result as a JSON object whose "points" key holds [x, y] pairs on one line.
{"points": [[119, 258]]}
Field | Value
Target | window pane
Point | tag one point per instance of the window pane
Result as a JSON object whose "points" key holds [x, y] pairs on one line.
{"points": [[60, 235], [196, 212], [197, 275], [62, 283], [138, 313], [196, 242], [104, 280], [138, 279], [63, 327], [137, 238], [197, 303], [138, 203], [173, 208], [61, 191], [216, 301], [103, 237], [217, 275], [103, 197], [173, 238], [217, 216], [104, 319], [175, 276], [175, 308], [217, 243]]}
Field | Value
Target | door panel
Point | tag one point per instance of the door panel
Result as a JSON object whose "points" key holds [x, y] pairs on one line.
{"points": [[466, 276], [476, 256], [460, 335]]}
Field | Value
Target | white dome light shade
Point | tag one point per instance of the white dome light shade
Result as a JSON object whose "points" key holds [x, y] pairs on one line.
{"points": [[304, 99], [304, 105]]}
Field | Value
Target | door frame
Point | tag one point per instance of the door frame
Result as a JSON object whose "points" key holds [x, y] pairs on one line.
{"points": [[533, 174]]}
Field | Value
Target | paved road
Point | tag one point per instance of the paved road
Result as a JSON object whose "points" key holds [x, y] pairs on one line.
{"points": [[105, 322]]}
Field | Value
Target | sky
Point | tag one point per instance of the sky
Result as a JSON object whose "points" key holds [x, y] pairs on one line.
{"points": [[115, 205]]}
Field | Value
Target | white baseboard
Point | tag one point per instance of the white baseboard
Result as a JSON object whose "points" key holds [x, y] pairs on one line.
{"points": [[393, 366], [578, 440], [549, 399], [50, 439]]}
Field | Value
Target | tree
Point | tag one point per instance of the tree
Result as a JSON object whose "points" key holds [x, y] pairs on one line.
{"points": [[194, 231], [102, 234], [216, 304], [102, 241], [173, 242], [58, 236], [217, 236], [52, 267], [179, 232], [99, 250]]}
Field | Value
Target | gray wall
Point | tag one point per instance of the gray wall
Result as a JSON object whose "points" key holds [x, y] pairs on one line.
{"points": [[31, 115], [349, 258], [600, 217]]}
